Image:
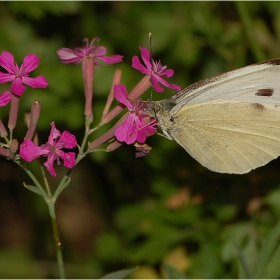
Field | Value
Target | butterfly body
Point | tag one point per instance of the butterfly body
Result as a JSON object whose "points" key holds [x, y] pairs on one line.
{"points": [[229, 123]]}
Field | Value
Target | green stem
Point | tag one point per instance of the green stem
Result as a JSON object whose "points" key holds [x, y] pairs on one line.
{"points": [[57, 242], [50, 200], [46, 181]]}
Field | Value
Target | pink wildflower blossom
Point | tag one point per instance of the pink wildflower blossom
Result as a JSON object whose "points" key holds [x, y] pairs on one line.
{"points": [[153, 69], [19, 75], [5, 98], [135, 127], [52, 149], [95, 52]]}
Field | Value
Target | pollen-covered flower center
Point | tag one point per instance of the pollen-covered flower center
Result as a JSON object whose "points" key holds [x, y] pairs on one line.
{"points": [[157, 67], [21, 72], [137, 107], [53, 149]]}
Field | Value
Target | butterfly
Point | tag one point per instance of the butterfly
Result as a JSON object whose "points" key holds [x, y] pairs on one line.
{"points": [[229, 123]]}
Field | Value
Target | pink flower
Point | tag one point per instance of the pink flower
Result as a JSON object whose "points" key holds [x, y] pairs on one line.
{"points": [[153, 69], [5, 98], [52, 149], [134, 128], [95, 52], [19, 75]]}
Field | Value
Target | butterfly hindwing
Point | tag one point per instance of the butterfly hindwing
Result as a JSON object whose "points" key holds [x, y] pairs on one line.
{"points": [[229, 137]]}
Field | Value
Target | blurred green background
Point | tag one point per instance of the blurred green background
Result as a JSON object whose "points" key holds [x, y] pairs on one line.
{"points": [[120, 212]]}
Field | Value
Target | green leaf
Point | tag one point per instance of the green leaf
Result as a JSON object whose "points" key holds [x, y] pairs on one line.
{"points": [[266, 254], [173, 273], [273, 269], [34, 189], [243, 262], [119, 274]]}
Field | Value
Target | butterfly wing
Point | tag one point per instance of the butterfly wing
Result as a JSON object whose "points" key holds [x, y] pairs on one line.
{"points": [[229, 137], [257, 83]]}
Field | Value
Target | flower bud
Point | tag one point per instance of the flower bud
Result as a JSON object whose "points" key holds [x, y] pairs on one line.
{"points": [[34, 117], [111, 96], [113, 146], [3, 131], [13, 111], [13, 148], [4, 152]]}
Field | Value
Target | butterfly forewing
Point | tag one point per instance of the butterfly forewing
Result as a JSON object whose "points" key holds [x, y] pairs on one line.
{"points": [[242, 85]]}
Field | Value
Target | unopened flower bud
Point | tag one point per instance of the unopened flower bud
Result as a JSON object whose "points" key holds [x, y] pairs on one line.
{"points": [[13, 111], [111, 96], [113, 146], [34, 117], [27, 119], [3, 131], [13, 148], [106, 136], [4, 152]]}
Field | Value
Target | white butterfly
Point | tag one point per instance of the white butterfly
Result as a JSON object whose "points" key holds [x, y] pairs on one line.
{"points": [[229, 123]]}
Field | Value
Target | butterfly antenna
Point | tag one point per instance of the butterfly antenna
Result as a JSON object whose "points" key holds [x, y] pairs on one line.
{"points": [[151, 59]]}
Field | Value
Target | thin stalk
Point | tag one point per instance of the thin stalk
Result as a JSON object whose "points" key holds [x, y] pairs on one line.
{"points": [[56, 237], [46, 181]]}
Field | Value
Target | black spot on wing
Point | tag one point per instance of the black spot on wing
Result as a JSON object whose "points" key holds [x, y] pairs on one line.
{"points": [[258, 106], [265, 92]]}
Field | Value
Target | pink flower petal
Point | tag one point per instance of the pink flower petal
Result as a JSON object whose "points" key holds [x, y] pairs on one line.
{"points": [[30, 62], [166, 84], [5, 77], [37, 82], [69, 140], [68, 56], [146, 57], [29, 151], [5, 98], [17, 87], [143, 130], [168, 73], [110, 59], [156, 86], [124, 132], [69, 159], [7, 62], [96, 51], [54, 134], [49, 165], [121, 95], [138, 65]]}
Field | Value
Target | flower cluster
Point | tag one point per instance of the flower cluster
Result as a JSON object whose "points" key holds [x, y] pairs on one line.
{"points": [[28, 150], [138, 126], [132, 128]]}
